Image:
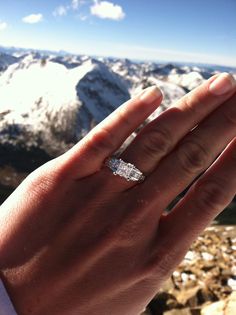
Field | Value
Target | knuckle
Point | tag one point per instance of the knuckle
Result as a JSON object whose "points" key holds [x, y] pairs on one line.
{"points": [[211, 195], [158, 143], [42, 184], [102, 140], [192, 156], [124, 118], [191, 103], [161, 262]]}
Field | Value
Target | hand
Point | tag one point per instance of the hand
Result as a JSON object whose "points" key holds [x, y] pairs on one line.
{"points": [[75, 239]]}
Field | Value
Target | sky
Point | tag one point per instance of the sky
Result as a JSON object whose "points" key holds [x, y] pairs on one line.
{"points": [[200, 31]]}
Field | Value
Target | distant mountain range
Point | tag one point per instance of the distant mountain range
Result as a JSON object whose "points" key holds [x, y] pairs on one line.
{"points": [[50, 100], [16, 50]]}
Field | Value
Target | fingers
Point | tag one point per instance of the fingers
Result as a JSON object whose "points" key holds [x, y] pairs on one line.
{"points": [[160, 137], [195, 152], [88, 155], [204, 201]]}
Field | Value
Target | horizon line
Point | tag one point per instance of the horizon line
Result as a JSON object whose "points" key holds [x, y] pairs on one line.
{"points": [[68, 52]]}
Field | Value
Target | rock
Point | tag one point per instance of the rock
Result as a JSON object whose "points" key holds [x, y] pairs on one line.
{"points": [[185, 311], [231, 304], [216, 308], [196, 296], [196, 311], [226, 307], [188, 297], [162, 302], [168, 285], [232, 283]]}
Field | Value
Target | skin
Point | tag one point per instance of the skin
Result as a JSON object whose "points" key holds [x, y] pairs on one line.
{"points": [[75, 239]]}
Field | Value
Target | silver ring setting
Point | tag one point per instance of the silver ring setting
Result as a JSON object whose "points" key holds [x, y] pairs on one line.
{"points": [[123, 169]]}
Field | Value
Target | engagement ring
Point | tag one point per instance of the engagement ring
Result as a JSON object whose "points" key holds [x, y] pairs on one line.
{"points": [[125, 170]]}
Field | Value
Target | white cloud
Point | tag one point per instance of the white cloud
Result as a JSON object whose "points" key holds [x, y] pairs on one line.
{"points": [[60, 11], [3, 26], [33, 18], [76, 3], [83, 17], [107, 10]]}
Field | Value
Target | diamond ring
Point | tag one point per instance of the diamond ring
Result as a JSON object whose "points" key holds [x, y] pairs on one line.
{"points": [[125, 170]]}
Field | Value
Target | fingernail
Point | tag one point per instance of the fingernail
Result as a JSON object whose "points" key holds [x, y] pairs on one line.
{"points": [[150, 94], [223, 84]]}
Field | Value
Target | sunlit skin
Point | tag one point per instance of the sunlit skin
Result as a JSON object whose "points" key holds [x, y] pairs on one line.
{"points": [[75, 239]]}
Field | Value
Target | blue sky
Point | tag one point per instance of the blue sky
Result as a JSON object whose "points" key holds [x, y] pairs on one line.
{"points": [[173, 30]]}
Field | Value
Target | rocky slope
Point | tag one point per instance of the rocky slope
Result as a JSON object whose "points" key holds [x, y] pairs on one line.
{"points": [[205, 281]]}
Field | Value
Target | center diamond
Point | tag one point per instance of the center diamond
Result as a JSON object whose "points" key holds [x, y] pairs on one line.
{"points": [[124, 169]]}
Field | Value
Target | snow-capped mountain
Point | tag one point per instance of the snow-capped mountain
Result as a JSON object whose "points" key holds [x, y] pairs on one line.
{"points": [[45, 105], [50, 101]]}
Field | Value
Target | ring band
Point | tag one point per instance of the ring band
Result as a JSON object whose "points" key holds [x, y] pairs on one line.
{"points": [[125, 170]]}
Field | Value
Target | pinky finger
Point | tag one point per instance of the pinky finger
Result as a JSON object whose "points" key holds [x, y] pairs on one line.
{"points": [[208, 196]]}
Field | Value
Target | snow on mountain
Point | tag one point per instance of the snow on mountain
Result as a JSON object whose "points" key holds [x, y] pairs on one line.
{"points": [[170, 91], [185, 77], [45, 105], [188, 81], [131, 72], [141, 75], [69, 62]]}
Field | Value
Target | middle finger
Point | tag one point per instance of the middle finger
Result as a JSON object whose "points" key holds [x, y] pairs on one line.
{"points": [[161, 136]]}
